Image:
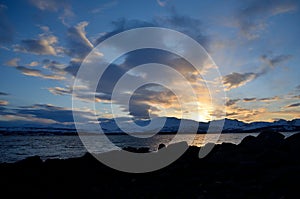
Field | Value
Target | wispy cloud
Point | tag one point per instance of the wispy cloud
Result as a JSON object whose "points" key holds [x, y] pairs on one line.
{"points": [[52, 5], [276, 60], [293, 105], [54, 66], [60, 91], [55, 6], [6, 28], [231, 102], [235, 80], [43, 114], [44, 45], [104, 7], [252, 99], [252, 20], [162, 3], [78, 44], [38, 73], [3, 102], [33, 63], [191, 26], [3, 93], [268, 99], [13, 62], [245, 114]]}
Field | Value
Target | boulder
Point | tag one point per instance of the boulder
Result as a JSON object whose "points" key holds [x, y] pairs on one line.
{"points": [[266, 139], [137, 150], [161, 146], [270, 139], [292, 146]]}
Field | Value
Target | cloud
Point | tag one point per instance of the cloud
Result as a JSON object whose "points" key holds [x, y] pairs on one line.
{"points": [[151, 99], [45, 45], [52, 5], [42, 114], [293, 105], [3, 103], [123, 24], [3, 93], [249, 99], [295, 93], [83, 95], [274, 61], [146, 100], [38, 73], [79, 45], [252, 20], [268, 99], [231, 102], [193, 27], [48, 111], [247, 115], [103, 7], [33, 63], [296, 97], [54, 66], [162, 3], [12, 62], [55, 6], [6, 29], [235, 80], [60, 91]]}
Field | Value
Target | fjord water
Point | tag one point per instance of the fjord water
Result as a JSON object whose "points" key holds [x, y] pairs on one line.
{"points": [[18, 147]]}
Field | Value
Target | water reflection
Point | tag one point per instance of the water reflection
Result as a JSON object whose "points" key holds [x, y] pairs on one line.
{"points": [[17, 147]]}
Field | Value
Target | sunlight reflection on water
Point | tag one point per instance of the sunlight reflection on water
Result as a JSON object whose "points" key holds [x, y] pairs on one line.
{"points": [[18, 147]]}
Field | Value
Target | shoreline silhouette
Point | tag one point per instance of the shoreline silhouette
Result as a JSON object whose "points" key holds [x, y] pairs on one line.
{"points": [[266, 166]]}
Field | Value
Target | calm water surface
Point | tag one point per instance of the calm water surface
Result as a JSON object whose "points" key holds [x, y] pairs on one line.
{"points": [[18, 147]]}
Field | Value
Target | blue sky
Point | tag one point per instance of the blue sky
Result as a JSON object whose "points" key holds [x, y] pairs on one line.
{"points": [[255, 45]]}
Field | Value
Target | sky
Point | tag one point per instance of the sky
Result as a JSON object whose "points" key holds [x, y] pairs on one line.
{"points": [[254, 44]]}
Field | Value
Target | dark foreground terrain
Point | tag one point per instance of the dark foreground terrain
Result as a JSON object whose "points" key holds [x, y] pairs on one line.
{"points": [[267, 166]]}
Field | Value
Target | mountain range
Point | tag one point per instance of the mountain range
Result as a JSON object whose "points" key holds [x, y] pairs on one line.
{"points": [[171, 125]]}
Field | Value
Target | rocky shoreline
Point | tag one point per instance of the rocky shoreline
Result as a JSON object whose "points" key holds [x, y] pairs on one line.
{"points": [[266, 166]]}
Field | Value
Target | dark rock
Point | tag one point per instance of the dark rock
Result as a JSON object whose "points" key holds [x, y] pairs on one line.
{"points": [[292, 146], [248, 141], [270, 139], [137, 150], [161, 146], [292, 143], [266, 139], [259, 167], [34, 161]]}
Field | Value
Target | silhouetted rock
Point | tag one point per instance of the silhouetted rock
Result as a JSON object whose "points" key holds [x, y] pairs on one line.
{"points": [[293, 143], [266, 166], [161, 146], [34, 160], [137, 150], [266, 139], [270, 139]]}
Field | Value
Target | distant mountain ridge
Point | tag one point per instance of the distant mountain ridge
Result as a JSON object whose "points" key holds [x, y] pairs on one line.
{"points": [[171, 125]]}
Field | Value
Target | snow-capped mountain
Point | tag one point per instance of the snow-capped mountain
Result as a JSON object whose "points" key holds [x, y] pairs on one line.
{"points": [[159, 124]]}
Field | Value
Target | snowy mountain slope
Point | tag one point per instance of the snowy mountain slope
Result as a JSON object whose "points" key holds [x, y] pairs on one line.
{"points": [[170, 125]]}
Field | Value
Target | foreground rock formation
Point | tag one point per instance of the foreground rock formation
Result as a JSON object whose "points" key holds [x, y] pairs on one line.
{"points": [[266, 166]]}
